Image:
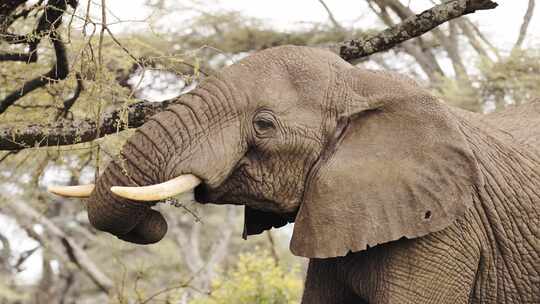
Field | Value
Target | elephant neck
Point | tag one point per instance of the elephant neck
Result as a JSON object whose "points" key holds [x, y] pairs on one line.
{"points": [[506, 209], [510, 171]]}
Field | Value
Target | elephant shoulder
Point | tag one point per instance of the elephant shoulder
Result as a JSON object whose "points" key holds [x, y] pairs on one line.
{"points": [[521, 122]]}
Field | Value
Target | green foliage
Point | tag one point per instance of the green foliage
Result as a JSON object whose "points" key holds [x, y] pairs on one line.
{"points": [[457, 93], [8, 293], [232, 32], [256, 278], [515, 79]]}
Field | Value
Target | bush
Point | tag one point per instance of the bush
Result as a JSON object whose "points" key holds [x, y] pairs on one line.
{"points": [[256, 278]]}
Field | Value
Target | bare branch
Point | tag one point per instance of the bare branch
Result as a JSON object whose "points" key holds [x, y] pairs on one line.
{"points": [[25, 57], [475, 43], [78, 131], [423, 55], [5, 253], [48, 23], [25, 255], [331, 16], [58, 71], [525, 25], [74, 251], [7, 10], [68, 103], [483, 38], [411, 27]]}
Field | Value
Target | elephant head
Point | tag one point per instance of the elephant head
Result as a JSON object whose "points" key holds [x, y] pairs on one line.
{"points": [[355, 157]]}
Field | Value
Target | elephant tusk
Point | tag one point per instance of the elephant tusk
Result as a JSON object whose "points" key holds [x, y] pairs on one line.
{"points": [[170, 188], [72, 191]]}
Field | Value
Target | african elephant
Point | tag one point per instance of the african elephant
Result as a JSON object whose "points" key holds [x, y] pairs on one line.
{"points": [[396, 197]]}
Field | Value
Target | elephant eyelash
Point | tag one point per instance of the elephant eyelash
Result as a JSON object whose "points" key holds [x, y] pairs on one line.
{"points": [[264, 125]]}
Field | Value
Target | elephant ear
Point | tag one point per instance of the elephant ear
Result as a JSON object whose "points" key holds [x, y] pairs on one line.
{"points": [[399, 166]]}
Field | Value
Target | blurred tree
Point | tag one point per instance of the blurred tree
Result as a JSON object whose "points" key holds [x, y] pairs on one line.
{"points": [[256, 278]]}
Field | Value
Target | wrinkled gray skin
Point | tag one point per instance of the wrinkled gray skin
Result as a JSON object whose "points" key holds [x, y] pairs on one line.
{"points": [[356, 158]]}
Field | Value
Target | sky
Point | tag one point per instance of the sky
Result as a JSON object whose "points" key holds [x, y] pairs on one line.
{"points": [[501, 24]]}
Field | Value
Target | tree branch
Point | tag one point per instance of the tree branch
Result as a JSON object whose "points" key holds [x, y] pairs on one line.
{"points": [[473, 40], [482, 37], [411, 27], [25, 57], [68, 103], [331, 16], [58, 72], [525, 25], [5, 253], [48, 23], [74, 251], [416, 48], [72, 132]]}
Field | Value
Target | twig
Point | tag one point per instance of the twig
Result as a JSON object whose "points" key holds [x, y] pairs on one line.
{"points": [[24, 256], [273, 250], [168, 289], [8, 154], [68, 103]]}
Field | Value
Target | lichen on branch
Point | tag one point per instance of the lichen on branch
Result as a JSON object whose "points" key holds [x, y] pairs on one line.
{"points": [[412, 27]]}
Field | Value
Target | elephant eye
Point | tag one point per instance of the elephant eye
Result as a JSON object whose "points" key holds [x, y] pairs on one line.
{"points": [[264, 126]]}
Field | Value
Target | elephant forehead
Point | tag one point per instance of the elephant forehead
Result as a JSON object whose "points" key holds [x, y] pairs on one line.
{"points": [[295, 63]]}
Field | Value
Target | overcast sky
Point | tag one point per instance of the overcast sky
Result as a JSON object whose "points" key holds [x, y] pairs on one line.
{"points": [[501, 24]]}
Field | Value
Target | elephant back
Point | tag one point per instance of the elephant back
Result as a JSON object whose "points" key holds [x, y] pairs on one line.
{"points": [[522, 122]]}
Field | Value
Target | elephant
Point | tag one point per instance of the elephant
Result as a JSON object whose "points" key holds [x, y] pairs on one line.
{"points": [[396, 196]]}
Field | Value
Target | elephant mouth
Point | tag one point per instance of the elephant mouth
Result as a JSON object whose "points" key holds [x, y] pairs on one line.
{"points": [[229, 195], [205, 195]]}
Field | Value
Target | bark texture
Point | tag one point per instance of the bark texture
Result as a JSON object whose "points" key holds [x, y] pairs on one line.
{"points": [[412, 27], [13, 138]]}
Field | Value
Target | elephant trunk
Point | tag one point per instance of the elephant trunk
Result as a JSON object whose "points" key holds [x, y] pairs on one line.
{"points": [[199, 135]]}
